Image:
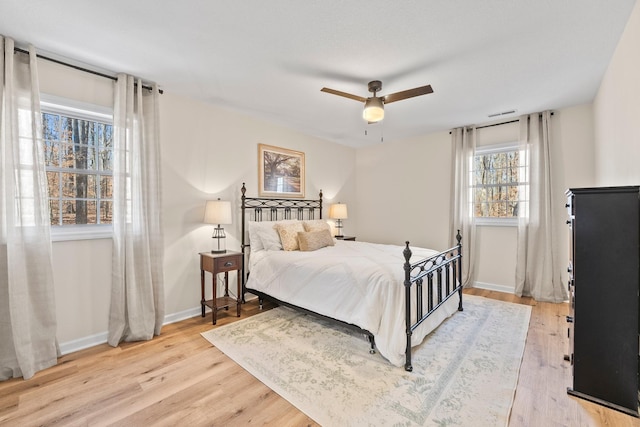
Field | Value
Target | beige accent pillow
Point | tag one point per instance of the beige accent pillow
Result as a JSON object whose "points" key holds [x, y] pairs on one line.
{"points": [[313, 240], [288, 232], [316, 225]]}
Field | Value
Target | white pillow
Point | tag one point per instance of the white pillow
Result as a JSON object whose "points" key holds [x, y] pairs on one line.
{"points": [[264, 236], [269, 236], [254, 239]]}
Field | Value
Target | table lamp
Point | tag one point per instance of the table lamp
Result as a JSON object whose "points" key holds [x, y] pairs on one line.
{"points": [[218, 212]]}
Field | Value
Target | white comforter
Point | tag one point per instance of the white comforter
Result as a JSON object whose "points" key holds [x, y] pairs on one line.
{"points": [[356, 282]]}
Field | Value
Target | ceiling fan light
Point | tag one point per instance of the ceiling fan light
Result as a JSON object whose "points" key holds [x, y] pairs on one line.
{"points": [[373, 110]]}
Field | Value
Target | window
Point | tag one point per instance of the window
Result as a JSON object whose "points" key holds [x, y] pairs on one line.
{"points": [[78, 152], [498, 183]]}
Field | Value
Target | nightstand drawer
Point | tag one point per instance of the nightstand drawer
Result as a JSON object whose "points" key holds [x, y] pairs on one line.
{"points": [[228, 263]]}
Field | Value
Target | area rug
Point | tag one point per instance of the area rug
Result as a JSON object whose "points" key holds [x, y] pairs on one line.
{"points": [[464, 373]]}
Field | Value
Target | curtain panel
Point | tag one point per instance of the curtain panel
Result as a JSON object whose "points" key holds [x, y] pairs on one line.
{"points": [[463, 145], [27, 306], [137, 294], [537, 269]]}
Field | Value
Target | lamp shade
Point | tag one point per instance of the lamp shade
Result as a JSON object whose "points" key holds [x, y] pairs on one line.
{"points": [[373, 110], [338, 211], [217, 212]]}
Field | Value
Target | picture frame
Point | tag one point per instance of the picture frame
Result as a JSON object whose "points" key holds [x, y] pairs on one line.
{"points": [[281, 172]]}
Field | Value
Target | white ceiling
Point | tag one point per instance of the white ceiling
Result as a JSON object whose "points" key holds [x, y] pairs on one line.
{"points": [[269, 59]]}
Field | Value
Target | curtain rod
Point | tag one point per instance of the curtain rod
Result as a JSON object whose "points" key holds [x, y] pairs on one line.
{"points": [[76, 67], [496, 124]]}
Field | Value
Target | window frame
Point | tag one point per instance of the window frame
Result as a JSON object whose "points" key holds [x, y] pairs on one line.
{"points": [[85, 111], [492, 149]]}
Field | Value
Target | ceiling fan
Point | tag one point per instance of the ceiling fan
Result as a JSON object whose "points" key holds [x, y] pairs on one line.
{"points": [[374, 105]]}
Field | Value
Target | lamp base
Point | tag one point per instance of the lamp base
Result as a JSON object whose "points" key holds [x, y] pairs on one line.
{"points": [[219, 240]]}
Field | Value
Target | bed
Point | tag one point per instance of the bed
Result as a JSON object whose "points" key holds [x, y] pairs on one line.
{"points": [[394, 295]]}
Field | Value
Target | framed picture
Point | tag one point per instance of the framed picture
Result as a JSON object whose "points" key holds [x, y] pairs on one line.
{"points": [[280, 172]]}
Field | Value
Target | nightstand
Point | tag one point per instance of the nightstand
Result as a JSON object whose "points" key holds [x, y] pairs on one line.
{"points": [[220, 263], [350, 238]]}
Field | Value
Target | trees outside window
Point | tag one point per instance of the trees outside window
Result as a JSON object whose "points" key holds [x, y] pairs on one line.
{"points": [[497, 182], [78, 151]]}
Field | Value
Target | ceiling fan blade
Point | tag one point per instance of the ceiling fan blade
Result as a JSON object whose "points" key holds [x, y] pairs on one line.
{"points": [[345, 94], [399, 96]]}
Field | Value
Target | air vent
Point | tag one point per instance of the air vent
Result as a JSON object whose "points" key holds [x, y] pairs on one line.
{"points": [[504, 113]]}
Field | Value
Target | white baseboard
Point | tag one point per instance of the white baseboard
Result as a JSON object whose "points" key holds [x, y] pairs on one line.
{"points": [[493, 287], [181, 315], [101, 338], [82, 343]]}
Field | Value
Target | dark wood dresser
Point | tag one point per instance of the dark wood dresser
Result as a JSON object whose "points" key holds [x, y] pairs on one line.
{"points": [[604, 279]]}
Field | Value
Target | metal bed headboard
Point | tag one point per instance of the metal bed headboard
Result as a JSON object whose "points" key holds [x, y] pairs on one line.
{"points": [[272, 209]]}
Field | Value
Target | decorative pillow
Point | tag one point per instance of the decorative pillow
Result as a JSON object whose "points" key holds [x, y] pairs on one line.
{"points": [[288, 231], [313, 240], [316, 225]]}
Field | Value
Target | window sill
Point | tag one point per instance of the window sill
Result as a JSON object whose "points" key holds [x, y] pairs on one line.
{"points": [[497, 222], [80, 232]]}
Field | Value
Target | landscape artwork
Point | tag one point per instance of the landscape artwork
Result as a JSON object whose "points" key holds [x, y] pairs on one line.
{"points": [[280, 172]]}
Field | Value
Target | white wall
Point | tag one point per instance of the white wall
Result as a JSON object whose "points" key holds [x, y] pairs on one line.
{"points": [[572, 152], [617, 112], [404, 192], [207, 152]]}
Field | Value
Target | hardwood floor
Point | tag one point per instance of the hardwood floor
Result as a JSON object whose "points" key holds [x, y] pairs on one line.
{"points": [[178, 378]]}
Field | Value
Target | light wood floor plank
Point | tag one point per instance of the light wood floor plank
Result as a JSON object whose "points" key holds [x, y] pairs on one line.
{"points": [[180, 379]]}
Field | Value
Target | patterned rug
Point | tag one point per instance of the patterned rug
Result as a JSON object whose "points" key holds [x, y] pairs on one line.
{"points": [[464, 373]]}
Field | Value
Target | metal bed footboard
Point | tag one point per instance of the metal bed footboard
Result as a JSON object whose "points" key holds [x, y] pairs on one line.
{"points": [[446, 269]]}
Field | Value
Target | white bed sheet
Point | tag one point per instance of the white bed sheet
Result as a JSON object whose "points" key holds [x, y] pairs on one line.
{"points": [[356, 282]]}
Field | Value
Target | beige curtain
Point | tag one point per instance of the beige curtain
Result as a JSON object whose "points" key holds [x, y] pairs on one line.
{"points": [[463, 143], [27, 308], [537, 269], [137, 294]]}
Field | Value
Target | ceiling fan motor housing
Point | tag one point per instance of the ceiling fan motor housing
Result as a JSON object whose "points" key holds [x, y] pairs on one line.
{"points": [[375, 86]]}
